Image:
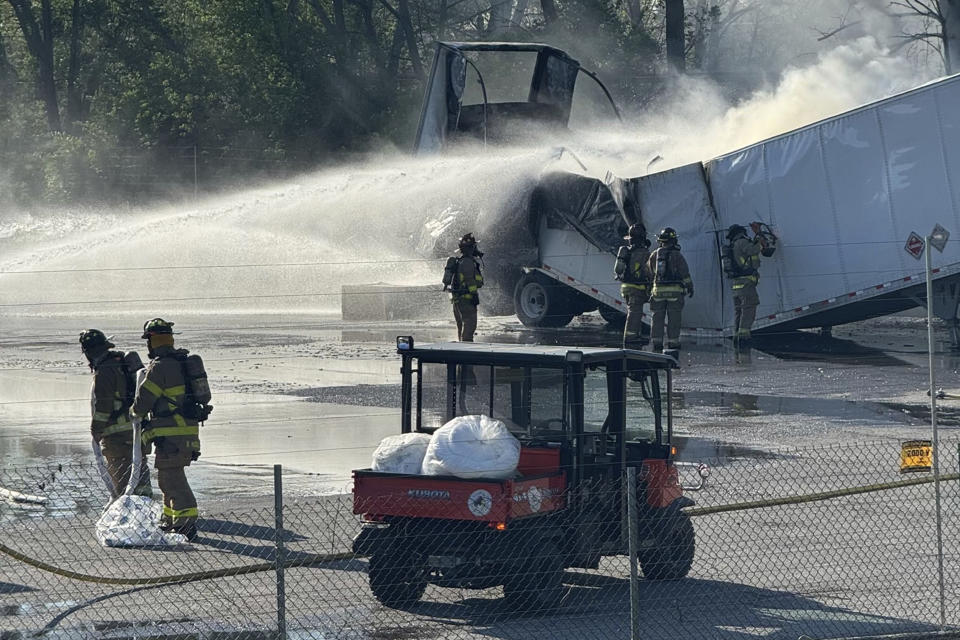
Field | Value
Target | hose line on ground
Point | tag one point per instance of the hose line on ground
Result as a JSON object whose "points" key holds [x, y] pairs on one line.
{"points": [[314, 559], [816, 497], [196, 576]]}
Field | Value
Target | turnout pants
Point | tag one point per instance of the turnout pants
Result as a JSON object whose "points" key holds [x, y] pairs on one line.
{"points": [[666, 312], [117, 452], [179, 503], [465, 313], [633, 329], [745, 302]]}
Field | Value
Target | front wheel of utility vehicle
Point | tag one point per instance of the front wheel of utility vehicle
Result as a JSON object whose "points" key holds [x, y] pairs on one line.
{"points": [[672, 558], [537, 584], [396, 579]]}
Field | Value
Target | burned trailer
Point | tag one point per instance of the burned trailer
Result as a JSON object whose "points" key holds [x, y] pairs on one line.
{"points": [[850, 199], [523, 88]]}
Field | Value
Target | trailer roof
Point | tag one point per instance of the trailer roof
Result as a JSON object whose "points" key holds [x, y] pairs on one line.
{"points": [[487, 353], [536, 47]]}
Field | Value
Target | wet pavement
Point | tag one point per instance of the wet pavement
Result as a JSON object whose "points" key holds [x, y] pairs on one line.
{"points": [[316, 395]]}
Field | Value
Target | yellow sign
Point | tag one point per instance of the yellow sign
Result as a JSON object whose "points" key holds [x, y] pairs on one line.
{"points": [[916, 455]]}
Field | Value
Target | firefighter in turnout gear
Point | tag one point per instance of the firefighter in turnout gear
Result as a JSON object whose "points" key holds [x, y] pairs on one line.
{"points": [[671, 281], [111, 395], [160, 401], [745, 256], [631, 270], [462, 278]]}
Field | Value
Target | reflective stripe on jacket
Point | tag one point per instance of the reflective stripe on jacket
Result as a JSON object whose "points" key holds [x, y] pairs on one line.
{"points": [[467, 280], [746, 254], [107, 396], [160, 398], [677, 281]]}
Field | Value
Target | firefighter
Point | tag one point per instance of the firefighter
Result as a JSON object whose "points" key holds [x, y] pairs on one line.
{"points": [[462, 278], [671, 280], [745, 254], [631, 270], [175, 437], [110, 399]]}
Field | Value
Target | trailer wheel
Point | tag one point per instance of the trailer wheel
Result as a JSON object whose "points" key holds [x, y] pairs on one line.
{"points": [[541, 302], [397, 579], [614, 317], [672, 558], [537, 584]]}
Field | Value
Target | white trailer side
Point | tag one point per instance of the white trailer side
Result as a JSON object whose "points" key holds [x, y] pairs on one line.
{"points": [[843, 195]]}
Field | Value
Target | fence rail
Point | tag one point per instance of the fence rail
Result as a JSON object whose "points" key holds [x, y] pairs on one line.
{"points": [[859, 560]]}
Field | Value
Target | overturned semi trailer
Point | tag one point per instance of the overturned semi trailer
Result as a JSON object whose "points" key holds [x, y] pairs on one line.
{"points": [[844, 195]]}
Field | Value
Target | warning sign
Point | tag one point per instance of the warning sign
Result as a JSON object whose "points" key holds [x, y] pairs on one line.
{"points": [[916, 455], [914, 245]]}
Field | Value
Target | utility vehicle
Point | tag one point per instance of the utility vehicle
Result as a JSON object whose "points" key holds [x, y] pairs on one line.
{"points": [[582, 416]]}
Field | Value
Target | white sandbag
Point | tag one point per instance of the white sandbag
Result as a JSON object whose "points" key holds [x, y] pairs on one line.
{"points": [[131, 521], [472, 447], [401, 453]]}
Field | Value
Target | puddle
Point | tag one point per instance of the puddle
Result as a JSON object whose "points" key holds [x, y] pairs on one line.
{"points": [[747, 405]]}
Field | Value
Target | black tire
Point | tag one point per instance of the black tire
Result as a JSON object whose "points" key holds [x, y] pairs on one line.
{"points": [[542, 302], [672, 558], [537, 584], [614, 317], [397, 579]]}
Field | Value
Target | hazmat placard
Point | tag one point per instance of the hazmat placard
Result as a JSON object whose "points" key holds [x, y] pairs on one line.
{"points": [[916, 456], [914, 245]]}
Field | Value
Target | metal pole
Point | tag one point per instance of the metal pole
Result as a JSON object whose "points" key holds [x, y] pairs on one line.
{"points": [[633, 539], [278, 539], [936, 436], [196, 181]]}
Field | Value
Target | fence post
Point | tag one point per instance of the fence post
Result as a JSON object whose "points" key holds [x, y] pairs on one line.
{"points": [[280, 555], [633, 529]]}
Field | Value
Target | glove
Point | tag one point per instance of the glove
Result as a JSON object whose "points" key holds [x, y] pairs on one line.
{"points": [[689, 293]]}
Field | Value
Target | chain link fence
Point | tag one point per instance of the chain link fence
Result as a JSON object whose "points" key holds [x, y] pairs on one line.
{"points": [[827, 542]]}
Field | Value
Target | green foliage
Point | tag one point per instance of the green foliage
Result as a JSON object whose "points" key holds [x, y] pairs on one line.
{"points": [[150, 92]]}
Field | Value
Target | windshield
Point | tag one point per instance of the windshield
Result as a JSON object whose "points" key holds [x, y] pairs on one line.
{"points": [[530, 400]]}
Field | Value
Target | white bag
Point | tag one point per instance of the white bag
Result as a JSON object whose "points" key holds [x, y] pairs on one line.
{"points": [[401, 453], [131, 521], [472, 447]]}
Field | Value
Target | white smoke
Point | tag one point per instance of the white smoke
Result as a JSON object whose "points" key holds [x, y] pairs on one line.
{"points": [[695, 123]]}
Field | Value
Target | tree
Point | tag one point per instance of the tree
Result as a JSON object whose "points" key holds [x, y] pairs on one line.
{"points": [[941, 27], [39, 37], [675, 26]]}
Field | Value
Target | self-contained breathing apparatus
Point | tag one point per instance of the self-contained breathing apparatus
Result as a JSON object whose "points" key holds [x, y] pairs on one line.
{"points": [[452, 267], [768, 243]]}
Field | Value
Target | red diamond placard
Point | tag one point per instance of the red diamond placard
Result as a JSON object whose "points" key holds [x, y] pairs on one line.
{"points": [[914, 245]]}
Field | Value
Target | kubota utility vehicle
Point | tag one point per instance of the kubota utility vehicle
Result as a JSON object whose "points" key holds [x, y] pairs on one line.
{"points": [[582, 415]]}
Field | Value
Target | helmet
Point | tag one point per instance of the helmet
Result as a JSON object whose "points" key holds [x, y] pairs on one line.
{"points": [[467, 240], [735, 230], [667, 235], [636, 232], [156, 326], [91, 339]]}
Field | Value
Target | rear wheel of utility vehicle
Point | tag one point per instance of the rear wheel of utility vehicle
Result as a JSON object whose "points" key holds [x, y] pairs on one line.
{"points": [[542, 302], [397, 579], [672, 558], [537, 584], [614, 317]]}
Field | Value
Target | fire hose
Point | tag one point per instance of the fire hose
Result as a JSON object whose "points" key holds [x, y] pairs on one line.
{"points": [[315, 559]]}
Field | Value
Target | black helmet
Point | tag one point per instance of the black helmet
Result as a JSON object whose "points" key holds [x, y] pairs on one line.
{"points": [[156, 326], [467, 240], [667, 235], [636, 232], [735, 230], [92, 339]]}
